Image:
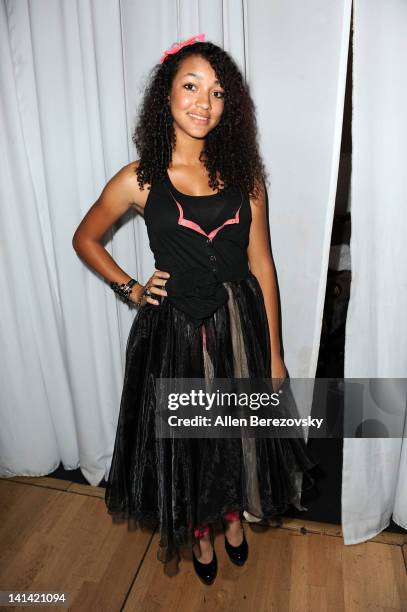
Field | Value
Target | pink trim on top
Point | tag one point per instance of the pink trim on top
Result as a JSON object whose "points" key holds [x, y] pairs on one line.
{"points": [[197, 228]]}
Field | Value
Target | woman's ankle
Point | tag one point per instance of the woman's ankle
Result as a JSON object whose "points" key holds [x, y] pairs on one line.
{"points": [[203, 550], [234, 532]]}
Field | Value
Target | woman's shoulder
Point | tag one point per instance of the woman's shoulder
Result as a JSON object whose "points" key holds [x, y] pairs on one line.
{"points": [[128, 175]]}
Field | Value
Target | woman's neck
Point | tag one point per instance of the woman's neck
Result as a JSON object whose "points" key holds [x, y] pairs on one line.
{"points": [[188, 151]]}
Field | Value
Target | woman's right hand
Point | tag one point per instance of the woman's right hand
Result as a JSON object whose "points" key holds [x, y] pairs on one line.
{"points": [[155, 284]]}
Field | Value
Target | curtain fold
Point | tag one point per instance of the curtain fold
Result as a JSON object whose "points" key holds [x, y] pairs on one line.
{"points": [[297, 61], [63, 117], [375, 470]]}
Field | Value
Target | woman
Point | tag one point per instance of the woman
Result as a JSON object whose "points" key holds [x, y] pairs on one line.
{"points": [[209, 309]]}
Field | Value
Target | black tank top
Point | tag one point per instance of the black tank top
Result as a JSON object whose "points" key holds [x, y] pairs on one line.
{"points": [[201, 241]]}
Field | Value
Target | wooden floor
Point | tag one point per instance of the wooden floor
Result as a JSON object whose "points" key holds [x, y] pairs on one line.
{"points": [[57, 536]]}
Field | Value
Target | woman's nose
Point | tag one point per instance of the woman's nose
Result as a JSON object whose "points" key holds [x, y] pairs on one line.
{"points": [[203, 101]]}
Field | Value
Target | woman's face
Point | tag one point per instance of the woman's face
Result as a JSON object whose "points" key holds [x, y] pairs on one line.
{"points": [[196, 97]]}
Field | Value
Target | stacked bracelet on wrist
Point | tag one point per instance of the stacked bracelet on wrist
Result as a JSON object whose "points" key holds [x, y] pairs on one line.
{"points": [[123, 290]]}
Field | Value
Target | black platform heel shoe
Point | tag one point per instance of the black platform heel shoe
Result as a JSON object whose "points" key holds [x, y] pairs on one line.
{"points": [[237, 554], [206, 572]]}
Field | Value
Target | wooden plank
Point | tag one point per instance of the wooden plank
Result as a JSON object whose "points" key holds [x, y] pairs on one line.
{"points": [[74, 487], [61, 485], [297, 524], [286, 571], [64, 540], [41, 481], [59, 541], [404, 551]]}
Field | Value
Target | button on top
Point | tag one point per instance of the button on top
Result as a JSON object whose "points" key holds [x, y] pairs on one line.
{"points": [[212, 257]]}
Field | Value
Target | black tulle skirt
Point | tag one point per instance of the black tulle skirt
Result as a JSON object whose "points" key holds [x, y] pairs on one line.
{"points": [[179, 484]]}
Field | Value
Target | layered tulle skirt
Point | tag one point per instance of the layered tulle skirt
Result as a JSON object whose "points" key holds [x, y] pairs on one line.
{"points": [[178, 484]]}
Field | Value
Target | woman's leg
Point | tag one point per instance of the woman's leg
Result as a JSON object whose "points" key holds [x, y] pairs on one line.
{"points": [[203, 530], [233, 528], [234, 532], [203, 549]]}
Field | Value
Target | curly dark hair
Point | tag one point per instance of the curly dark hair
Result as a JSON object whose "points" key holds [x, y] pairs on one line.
{"points": [[230, 149]]}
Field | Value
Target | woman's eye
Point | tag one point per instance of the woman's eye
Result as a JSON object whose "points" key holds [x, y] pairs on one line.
{"points": [[191, 85]]}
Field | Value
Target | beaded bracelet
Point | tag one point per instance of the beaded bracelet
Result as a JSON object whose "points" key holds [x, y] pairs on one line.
{"points": [[124, 290]]}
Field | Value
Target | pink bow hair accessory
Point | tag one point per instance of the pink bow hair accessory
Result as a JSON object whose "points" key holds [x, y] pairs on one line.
{"points": [[184, 43]]}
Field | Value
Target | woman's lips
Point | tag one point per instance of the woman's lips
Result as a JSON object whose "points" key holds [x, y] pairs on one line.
{"points": [[198, 118]]}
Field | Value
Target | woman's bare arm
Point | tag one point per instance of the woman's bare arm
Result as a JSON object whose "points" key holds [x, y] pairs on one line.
{"points": [[121, 192], [262, 266]]}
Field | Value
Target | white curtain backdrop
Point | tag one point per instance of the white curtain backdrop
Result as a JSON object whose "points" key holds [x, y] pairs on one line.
{"points": [[297, 66], [374, 485], [63, 117], [72, 75]]}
